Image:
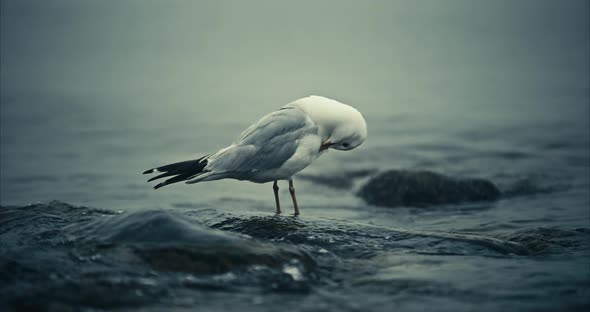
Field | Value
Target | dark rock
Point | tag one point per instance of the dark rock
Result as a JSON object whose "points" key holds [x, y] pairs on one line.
{"points": [[59, 257], [424, 188], [171, 242]]}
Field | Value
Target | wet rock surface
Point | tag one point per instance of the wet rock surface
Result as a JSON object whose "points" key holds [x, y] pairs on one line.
{"points": [[103, 259], [395, 188], [167, 241]]}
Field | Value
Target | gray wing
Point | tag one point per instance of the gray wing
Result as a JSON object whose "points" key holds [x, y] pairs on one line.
{"points": [[267, 144]]}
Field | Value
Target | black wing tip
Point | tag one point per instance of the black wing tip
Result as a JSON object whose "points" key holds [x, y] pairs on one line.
{"points": [[157, 186], [180, 171], [163, 175]]}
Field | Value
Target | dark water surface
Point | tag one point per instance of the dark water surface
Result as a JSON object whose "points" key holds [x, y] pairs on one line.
{"points": [[94, 93], [218, 245], [59, 256]]}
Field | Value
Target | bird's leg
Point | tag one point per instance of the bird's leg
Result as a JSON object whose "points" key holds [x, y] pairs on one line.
{"points": [[275, 188], [292, 191]]}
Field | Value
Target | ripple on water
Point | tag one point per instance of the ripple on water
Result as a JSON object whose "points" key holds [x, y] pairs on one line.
{"points": [[108, 260]]}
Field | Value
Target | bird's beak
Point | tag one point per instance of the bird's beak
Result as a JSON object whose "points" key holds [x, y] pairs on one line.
{"points": [[325, 146]]}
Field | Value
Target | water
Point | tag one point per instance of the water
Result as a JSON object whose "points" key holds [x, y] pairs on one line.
{"points": [[527, 251], [80, 127]]}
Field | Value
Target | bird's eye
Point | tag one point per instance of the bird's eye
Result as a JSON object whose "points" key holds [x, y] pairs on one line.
{"points": [[345, 145]]}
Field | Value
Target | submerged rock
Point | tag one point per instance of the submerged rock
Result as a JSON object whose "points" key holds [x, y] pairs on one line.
{"points": [[395, 188], [170, 242], [72, 258]]}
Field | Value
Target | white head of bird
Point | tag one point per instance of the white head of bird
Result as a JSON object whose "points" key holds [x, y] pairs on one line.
{"points": [[340, 126]]}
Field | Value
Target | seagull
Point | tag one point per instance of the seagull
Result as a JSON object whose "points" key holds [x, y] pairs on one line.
{"points": [[276, 147]]}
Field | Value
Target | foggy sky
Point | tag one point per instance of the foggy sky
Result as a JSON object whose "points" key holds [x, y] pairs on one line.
{"points": [[110, 88], [374, 53]]}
